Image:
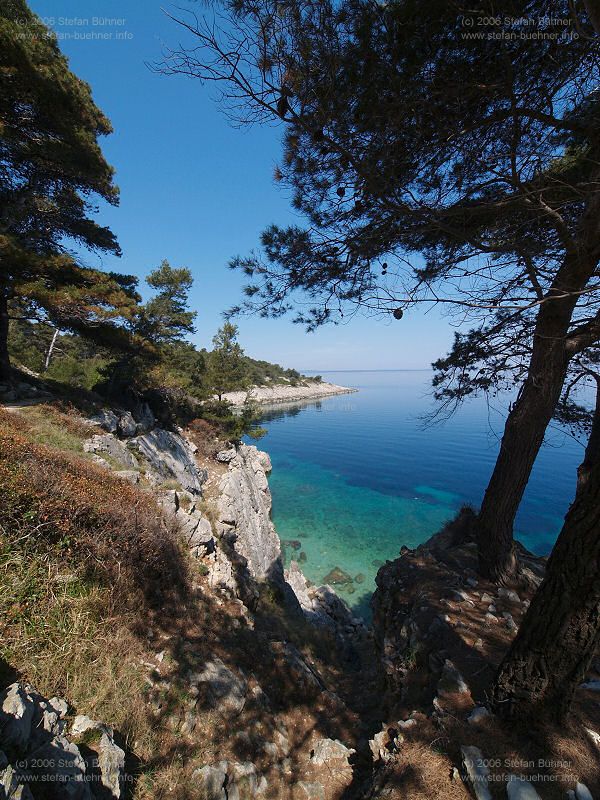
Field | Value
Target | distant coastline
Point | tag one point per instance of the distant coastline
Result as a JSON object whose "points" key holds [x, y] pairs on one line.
{"points": [[270, 395]]}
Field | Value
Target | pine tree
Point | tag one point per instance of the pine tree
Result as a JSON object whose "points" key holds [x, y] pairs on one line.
{"points": [[166, 318], [52, 169], [226, 367]]}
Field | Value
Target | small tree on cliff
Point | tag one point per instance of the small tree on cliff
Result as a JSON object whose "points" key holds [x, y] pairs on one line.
{"points": [[434, 166], [226, 368], [52, 167]]}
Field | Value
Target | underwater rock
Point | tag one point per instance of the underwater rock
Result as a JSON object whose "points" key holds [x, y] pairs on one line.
{"points": [[337, 577]]}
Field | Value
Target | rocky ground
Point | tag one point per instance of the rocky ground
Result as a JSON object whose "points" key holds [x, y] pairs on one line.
{"points": [[442, 632], [267, 686], [280, 393]]}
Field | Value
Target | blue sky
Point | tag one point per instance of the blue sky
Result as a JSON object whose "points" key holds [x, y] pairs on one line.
{"points": [[197, 191]]}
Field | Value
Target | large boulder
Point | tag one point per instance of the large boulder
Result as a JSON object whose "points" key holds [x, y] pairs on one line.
{"points": [[169, 456], [223, 690], [108, 446], [39, 754], [244, 514]]}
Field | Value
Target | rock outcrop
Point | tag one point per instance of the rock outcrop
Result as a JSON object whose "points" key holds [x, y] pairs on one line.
{"points": [[244, 514], [281, 393], [169, 456], [39, 750]]}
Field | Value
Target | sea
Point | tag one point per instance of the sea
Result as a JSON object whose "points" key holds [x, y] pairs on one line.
{"points": [[357, 476]]}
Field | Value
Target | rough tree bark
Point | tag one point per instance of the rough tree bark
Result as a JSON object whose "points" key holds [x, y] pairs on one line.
{"points": [[560, 633], [524, 431], [5, 371], [592, 450], [526, 425]]}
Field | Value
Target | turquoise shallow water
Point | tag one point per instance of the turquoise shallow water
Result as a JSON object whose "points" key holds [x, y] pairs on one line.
{"points": [[356, 476]]}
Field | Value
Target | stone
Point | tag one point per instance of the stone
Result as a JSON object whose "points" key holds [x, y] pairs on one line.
{"points": [[311, 790], [244, 516], [225, 456], [476, 771], [451, 681], [303, 675], [82, 723], [100, 462], [329, 751], [406, 724], [225, 691], [478, 714], [10, 786], [60, 706], [144, 418], [107, 420], [129, 475], [360, 578], [381, 745], [518, 788], [327, 603], [244, 778], [594, 737], [112, 447], [221, 574], [458, 595], [127, 425], [295, 544], [582, 792], [111, 763], [337, 577], [487, 598], [210, 781], [311, 604], [16, 716], [170, 457], [509, 594], [69, 767]]}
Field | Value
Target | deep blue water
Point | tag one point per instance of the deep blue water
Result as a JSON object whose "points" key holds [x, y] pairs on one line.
{"points": [[357, 476]]}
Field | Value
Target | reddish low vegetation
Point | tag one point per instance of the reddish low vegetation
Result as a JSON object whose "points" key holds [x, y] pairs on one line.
{"points": [[109, 528]]}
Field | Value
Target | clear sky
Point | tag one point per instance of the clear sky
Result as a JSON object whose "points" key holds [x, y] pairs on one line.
{"points": [[197, 191]]}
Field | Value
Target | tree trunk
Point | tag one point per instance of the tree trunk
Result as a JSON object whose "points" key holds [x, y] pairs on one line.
{"points": [[527, 422], [5, 371], [50, 350], [560, 633], [592, 451]]}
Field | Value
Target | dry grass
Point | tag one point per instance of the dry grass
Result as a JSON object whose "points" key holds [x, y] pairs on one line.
{"points": [[84, 559]]}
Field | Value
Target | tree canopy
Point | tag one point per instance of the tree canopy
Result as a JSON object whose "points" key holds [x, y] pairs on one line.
{"points": [[52, 171]]}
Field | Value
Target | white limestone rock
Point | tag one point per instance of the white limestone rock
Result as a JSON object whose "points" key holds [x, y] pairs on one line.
{"points": [[225, 691], [170, 456], [244, 514], [477, 773], [108, 445], [518, 788]]}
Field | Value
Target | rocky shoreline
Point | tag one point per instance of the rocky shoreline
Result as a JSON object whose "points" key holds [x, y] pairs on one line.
{"points": [[271, 395]]}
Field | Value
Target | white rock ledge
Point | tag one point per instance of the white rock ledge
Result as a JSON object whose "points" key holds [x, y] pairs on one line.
{"points": [[271, 395]]}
